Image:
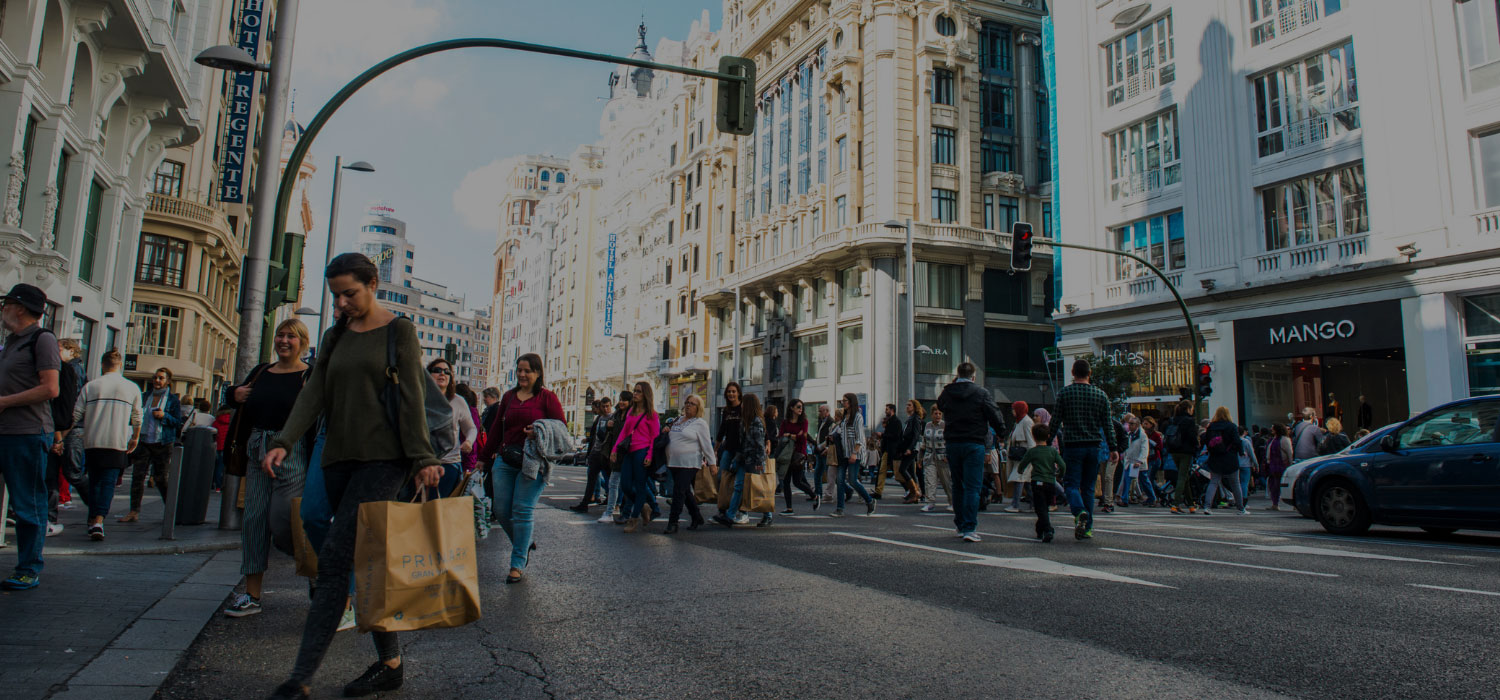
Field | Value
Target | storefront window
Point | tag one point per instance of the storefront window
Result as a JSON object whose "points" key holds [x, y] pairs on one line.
{"points": [[1167, 364], [939, 347], [812, 357], [851, 351], [1482, 343], [849, 290]]}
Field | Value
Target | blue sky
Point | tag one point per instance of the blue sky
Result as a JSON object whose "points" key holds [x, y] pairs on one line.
{"points": [[434, 128]]}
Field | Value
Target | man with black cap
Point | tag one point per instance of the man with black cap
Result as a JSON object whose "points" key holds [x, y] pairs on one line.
{"points": [[29, 365]]}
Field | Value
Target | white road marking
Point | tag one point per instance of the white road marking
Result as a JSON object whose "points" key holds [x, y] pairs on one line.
{"points": [[1167, 537], [985, 534], [1032, 564], [1220, 563], [1284, 549], [1455, 590]]}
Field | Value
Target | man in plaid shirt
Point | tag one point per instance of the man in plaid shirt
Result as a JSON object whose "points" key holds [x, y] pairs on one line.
{"points": [[1084, 426]]}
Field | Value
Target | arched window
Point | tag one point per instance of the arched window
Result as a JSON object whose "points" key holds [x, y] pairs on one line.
{"points": [[546, 176], [561, 178], [946, 26]]}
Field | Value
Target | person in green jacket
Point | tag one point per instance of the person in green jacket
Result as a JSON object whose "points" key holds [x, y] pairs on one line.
{"points": [[1046, 467]]}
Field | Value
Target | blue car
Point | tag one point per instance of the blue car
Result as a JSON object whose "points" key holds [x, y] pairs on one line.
{"points": [[1439, 471]]}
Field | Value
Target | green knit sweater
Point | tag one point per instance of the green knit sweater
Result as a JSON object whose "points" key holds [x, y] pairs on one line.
{"points": [[1047, 466], [345, 386]]}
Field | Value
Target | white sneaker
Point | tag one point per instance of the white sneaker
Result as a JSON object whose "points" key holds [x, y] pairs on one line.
{"points": [[948, 508], [971, 537], [1244, 512], [741, 519], [605, 518], [1012, 509], [54, 529], [927, 508]]}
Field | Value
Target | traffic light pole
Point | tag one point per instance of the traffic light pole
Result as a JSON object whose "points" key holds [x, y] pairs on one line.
{"points": [[1186, 315]]}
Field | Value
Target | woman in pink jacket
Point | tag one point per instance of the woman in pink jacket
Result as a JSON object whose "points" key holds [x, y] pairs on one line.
{"points": [[633, 454]]}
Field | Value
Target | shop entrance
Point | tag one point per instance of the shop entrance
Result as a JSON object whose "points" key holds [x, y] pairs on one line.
{"points": [[1331, 384]]}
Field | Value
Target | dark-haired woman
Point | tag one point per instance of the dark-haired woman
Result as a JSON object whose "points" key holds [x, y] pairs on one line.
{"points": [[364, 458], [794, 429], [465, 432], [634, 452], [728, 443], [851, 438], [911, 448], [516, 493], [471, 455], [750, 460]]}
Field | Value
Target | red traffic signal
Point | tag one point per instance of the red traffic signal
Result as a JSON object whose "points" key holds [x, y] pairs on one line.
{"points": [[1205, 380], [1020, 246]]}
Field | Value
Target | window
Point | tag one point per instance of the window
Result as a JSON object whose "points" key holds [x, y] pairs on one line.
{"points": [[994, 47], [942, 86], [849, 289], [1315, 208], [999, 105], [153, 330], [1015, 353], [1140, 62], [1046, 220], [1143, 157], [1007, 211], [940, 285], [83, 329], [1272, 18], [996, 156], [163, 260], [1464, 424], [946, 26], [1489, 167], [940, 347], [90, 232], [819, 294], [840, 154], [944, 205], [1482, 343], [61, 184], [1159, 239], [812, 357], [851, 351], [168, 179], [1006, 293], [943, 145], [989, 212], [1303, 103], [174, 21], [840, 211]]}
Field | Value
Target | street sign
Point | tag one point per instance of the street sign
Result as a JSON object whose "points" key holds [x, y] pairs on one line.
{"points": [[130, 362], [241, 99], [609, 289]]}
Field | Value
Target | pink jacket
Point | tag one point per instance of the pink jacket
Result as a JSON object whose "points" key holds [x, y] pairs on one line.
{"points": [[639, 432]]}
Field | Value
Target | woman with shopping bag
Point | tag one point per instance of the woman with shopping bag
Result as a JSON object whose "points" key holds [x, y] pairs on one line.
{"points": [[365, 459], [516, 493], [751, 461], [689, 450], [263, 403]]}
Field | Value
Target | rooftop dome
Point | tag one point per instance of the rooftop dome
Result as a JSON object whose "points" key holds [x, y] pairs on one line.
{"points": [[633, 78]]}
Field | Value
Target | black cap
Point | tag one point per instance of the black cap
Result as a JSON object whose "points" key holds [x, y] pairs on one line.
{"points": [[29, 297]]}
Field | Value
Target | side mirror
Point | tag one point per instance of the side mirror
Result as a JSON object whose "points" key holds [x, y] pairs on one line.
{"points": [[1389, 444]]}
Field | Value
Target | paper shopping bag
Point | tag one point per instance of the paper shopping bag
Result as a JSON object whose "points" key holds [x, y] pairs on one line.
{"points": [[726, 489], [302, 549], [705, 486], [415, 565], [760, 493]]}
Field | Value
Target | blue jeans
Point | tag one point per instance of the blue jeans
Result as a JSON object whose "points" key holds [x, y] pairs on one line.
{"points": [[1245, 481], [1083, 468], [848, 480], [516, 495], [734, 499], [966, 463], [102, 491], [23, 465], [635, 482], [218, 470], [820, 472]]}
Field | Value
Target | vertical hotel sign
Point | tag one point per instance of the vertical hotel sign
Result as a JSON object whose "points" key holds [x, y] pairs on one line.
{"points": [[609, 290], [241, 96]]}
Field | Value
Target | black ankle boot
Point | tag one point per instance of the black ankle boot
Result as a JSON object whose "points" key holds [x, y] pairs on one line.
{"points": [[377, 678]]}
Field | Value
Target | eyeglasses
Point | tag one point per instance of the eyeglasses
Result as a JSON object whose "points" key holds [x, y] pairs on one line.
{"points": [[439, 370]]}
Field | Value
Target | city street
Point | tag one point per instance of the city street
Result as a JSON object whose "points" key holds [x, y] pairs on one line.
{"points": [[894, 605]]}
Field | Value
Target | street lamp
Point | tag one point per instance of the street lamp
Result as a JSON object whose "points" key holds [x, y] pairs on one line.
{"points": [[911, 308], [624, 366], [230, 58], [358, 166]]}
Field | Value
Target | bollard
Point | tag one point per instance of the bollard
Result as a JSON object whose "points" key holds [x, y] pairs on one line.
{"points": [[229, 498], [169, 514]]}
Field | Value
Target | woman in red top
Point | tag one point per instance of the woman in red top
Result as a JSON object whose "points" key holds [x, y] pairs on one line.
{"points": [[221, 426], [633, 449], [515, 493], [794, 427]]}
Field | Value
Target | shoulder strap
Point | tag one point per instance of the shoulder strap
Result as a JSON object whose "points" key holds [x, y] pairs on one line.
{"points": [[392, 377]]}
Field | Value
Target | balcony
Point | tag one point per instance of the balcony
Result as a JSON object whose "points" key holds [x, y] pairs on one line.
{"points": [[1309, 259], [1146, 288], [195, 216], [1292, 16], [1487, 223], [1140, 185], [1311, 133]]}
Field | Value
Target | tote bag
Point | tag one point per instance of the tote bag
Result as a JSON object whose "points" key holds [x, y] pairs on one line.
{"points": [[415, 565]]}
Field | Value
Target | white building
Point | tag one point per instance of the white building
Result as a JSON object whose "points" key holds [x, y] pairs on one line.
{"points": [[519, 308], [94, 95], [445, 327], [568, 219], [1331, 221]]}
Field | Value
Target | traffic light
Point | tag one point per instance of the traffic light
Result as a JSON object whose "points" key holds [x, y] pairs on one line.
{"points": [[275, 286], [1020, 246], [291, 258], [736, 100], [1205, 380]]}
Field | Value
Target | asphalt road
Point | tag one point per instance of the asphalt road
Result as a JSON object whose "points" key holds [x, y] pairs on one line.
{"points": [[895, 606]]}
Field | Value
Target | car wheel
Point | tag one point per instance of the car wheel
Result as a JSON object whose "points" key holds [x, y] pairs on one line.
{"points": [[1439, 530], [1341, 510]]}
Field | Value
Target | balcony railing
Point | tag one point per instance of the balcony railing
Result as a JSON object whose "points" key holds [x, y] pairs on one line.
{"points": [[1147, 183], [1311, 257], [1290, 17], [872, 233], [1488, 222], [1141, 288], [189, 211]]}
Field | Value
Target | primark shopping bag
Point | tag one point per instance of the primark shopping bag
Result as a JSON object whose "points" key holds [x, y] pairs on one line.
{"points": [[415, 566], [726, 489], [705, 486], [760, 493], [302, 549]]}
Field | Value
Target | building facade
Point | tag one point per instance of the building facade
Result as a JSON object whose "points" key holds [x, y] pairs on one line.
{"points": [[521, 254], [1331, 222], [96, 94], [446, 328], [567, 218]]}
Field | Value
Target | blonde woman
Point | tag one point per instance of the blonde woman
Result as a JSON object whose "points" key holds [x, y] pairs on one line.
{"points": [[265, 400], [689, 448]]}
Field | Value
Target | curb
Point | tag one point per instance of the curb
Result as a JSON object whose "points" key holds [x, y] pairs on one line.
{"points": [[158, 549]]}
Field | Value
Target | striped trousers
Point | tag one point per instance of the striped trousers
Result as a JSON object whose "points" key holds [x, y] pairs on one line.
{"points": [[268, 503]]}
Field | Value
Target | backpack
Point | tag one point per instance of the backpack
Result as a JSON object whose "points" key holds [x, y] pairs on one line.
{"points": [[68, 388], [1220, 444], [1173, 437], [659, 443]]}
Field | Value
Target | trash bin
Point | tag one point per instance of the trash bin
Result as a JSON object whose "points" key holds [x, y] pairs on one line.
{"points": [[196, 480]]}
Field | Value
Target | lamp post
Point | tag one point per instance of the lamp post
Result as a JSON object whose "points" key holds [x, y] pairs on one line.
{"points": [[262, 231], [625, 366], [358, 166], [911, 309]]}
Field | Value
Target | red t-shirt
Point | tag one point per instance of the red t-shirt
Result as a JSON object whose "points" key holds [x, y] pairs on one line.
{"points": [[509, 429], [221, 424]]}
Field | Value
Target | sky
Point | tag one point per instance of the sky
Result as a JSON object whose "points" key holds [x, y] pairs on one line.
{"points": [[436, 128]]}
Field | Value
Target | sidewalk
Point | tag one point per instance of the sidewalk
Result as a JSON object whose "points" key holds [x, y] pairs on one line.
{"points": [[113, 626]]}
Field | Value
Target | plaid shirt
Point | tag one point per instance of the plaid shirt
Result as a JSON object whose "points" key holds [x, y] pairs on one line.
{"points": [[1083, 414]]}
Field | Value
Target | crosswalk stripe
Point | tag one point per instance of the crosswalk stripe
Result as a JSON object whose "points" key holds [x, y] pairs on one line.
{"points": [[1219, 563]]}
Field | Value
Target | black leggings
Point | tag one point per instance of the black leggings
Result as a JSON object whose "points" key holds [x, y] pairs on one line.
{"points": [[683, 495], [349, 484], [796, 476], [908, 474]]}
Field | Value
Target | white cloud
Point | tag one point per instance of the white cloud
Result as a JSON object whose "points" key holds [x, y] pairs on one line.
{"points": [[338, 38], [477, 199], [421, 95]]}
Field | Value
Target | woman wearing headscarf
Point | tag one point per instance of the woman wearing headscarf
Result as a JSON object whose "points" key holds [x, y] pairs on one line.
{"points": [[1016, 445]]}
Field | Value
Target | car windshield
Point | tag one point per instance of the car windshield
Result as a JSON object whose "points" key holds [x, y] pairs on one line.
{"points": [[1462, 424]]}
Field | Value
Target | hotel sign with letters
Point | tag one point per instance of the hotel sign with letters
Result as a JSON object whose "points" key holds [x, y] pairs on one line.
{"points": [[241, 97]]}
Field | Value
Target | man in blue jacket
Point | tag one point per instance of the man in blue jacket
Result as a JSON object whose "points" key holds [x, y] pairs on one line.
{"points": [[160, 426]]}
